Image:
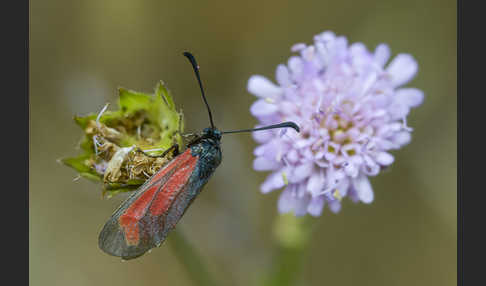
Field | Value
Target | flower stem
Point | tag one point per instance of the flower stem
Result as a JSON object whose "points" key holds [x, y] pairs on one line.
{"points": [[292, 236], [187, 255]]}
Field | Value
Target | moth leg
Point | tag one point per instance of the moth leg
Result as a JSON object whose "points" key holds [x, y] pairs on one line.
{"points": [[174, 148], [194, 140], [109, 187]]}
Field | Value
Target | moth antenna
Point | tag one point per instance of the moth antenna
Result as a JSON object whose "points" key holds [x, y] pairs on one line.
{"points": [[195, 66], [280, 125]]}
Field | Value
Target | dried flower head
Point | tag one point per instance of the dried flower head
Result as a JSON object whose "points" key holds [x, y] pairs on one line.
{"points": [[112, 140], [352, 111]]}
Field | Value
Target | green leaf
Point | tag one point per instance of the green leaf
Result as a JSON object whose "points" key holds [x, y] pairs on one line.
{"points": [[79, 164], [162, 91], [82, 121], [108, 116], [91, 176], [131, 101]]}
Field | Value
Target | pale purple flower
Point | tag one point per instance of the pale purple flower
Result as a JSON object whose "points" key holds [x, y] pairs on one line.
{"points": [[352, 112]]}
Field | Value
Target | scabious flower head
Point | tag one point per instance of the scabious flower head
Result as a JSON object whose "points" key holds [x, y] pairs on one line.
{"points": [[352, 112]]}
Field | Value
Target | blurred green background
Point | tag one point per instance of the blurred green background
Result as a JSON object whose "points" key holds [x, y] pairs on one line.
{"points": [[81, 51]]}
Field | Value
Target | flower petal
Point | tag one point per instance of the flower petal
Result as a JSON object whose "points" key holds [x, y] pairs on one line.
{"points": [[334, 176], [326, 36], [315, 184], [382, 54], [260, 150], [411, 97], [402, 138], [263, 164], [262, 136], [262, 108], [316, 205], [296, 67], [343, 187], [263, 87], [272, 150], [353, 195], [301, 172], [370, 166], [298, 47], [384, 158], [402, 69], [351, 170], [398, 110], [282, 75], [286, 201], [293, 156], [363, 189], [303, 143], [273, 181], [302, 202], [335, 206]]}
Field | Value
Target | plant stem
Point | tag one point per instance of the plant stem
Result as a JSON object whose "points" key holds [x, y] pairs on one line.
{"points": [[191, 260], [292, 236]]}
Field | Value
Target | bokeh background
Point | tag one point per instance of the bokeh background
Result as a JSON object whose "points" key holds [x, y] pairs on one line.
{"points": [[81, 51]]}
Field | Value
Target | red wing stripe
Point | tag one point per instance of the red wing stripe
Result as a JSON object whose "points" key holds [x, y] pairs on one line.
{"points": [[176, 182], [129, 220], [176, 162]]}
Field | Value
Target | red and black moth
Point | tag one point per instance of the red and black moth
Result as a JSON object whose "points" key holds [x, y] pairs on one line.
{"points": [[144, 219]]}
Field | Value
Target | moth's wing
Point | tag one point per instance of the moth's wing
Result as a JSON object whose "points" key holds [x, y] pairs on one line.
{"points": [[144, 219]]}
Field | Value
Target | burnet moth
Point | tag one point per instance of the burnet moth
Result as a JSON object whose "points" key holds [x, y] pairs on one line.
{"points": [[145, 218]]}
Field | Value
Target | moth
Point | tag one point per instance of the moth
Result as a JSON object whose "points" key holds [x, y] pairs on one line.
{"points": [[146, 217]]}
